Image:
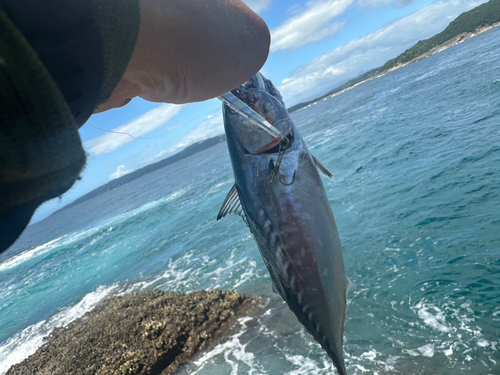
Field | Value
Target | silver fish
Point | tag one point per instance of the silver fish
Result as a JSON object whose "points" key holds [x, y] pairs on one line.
{"points": [[279, 194]]}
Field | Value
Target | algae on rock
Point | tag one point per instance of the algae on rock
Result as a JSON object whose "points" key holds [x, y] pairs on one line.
{"points": [[146, 333]]}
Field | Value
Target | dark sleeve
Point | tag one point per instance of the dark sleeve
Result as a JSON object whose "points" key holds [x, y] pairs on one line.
{"points": [[58, 60]]}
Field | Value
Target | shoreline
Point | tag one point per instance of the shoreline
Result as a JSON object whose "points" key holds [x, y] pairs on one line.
{"points": [[449, 43]]}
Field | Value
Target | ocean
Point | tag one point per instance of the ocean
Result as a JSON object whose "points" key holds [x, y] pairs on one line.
{"points": [[416, 197]]}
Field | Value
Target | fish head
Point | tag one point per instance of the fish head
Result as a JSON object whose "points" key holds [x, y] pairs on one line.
{"points": [[261, 96]]}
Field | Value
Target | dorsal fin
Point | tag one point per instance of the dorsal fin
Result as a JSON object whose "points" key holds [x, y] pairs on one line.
{"points": [[232, 205], [322, 168]]}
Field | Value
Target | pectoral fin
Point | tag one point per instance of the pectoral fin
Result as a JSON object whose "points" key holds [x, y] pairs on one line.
{"points": [[232, 205], [350, 285], [322, 168]]}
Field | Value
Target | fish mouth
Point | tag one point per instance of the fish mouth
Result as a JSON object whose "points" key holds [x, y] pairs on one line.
{"points": [[251, 94], [274, 146]]}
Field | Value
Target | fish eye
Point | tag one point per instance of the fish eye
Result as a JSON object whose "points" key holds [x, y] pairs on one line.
{"points": [[250, 99], [238, 94], [251, 83]]}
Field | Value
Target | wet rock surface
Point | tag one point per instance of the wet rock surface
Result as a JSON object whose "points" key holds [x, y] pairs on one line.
{"points": [[146, 333]]}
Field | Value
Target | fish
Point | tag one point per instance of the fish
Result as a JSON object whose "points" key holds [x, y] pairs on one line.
{"points": [[280, 196]]}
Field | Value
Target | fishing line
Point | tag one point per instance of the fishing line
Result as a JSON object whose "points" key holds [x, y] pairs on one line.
{"points": [[130, 135]]}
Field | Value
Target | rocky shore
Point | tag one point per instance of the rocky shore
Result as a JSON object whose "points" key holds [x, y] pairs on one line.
{"points": [[147, 333]]}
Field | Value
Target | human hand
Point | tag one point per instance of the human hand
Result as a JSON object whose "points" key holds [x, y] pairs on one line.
{"points": [[191, 50]]}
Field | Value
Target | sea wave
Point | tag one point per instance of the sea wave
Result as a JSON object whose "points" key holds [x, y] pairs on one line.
{"points": [[29, 254], [78, 236]]}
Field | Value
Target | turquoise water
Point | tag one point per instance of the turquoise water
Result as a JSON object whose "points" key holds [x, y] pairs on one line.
{"points": [[416, 159]]}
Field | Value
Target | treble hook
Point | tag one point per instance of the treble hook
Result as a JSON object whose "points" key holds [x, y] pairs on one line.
{"points": [[276, 170], [273, 174], [291, 183]]}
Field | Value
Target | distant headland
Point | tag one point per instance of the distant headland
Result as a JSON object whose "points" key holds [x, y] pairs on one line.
{"points": [[465, 26], [188, 151]]}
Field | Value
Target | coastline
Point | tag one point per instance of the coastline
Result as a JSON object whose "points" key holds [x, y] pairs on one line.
{"points": [[449, 43], [146, 333]]}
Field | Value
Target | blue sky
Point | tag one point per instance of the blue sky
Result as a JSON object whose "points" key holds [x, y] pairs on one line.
{"points": [[316, 45]]}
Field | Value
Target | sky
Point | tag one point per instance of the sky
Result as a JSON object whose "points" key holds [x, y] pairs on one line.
{"points": [[316, 46]]}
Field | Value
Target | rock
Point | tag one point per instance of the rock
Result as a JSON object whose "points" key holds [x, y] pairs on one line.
{"points": [[145, 333]]}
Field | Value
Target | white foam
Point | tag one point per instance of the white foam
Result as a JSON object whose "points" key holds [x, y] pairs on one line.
{"points": [[370, 360], [188, 272], [432, 316], [359, 367], [28, 254], [247, 275], [231, 349], [482, 343], [25, 343], [216, 187], [150, 205], [306, 365], [412, 352], [370, 355], [427, 350], [392, 249]]}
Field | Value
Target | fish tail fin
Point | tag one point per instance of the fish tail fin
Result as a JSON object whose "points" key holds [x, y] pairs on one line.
{"points": [[340, 366], [336, 354], [341, 370]]}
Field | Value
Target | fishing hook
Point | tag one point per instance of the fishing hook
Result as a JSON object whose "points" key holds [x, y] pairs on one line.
{"points": [[276, 170], [284, 183]]}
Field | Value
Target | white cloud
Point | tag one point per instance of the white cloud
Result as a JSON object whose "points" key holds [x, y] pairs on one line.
{"points": [[160, 154], [403, 3], [294, 10], [370, 51], [257, 5], [207, 129], [372, 3], [120, 171], [141, 125], [157, 157], [376, 3], [311, 25]]}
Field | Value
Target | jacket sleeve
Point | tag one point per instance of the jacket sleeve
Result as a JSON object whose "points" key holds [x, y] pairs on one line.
{"points": [[59, 59]]}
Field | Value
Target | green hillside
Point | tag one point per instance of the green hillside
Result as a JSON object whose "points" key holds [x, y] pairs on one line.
{"points": [[484, 15]]}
